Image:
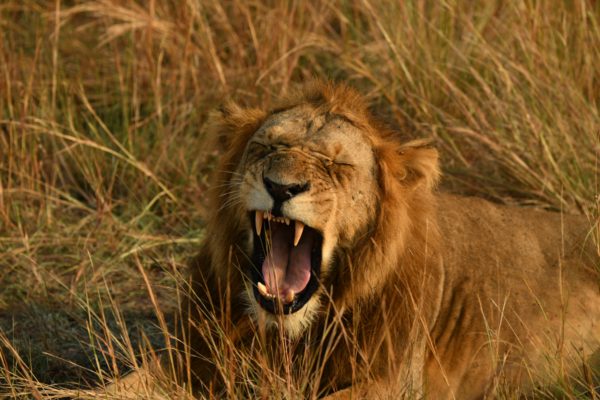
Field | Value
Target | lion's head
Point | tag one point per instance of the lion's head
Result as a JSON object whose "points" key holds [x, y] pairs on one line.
{"points": [[317, 199]]}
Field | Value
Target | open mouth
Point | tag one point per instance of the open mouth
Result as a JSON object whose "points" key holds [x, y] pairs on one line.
{"points": [[287, 262]]}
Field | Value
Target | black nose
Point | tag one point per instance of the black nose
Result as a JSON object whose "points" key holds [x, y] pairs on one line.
{"points": [[281, 193]]}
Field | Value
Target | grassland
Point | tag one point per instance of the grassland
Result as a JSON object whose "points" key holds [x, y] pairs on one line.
{"points": [[103, 166]]}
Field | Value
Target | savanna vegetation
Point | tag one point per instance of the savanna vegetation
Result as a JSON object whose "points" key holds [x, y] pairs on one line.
{"points": [[103, 166]]}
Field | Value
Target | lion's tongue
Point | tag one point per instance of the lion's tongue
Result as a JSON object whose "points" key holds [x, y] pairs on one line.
{"points": [[287, 267]]}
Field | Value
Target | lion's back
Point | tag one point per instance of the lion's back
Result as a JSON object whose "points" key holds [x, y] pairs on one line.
{"points": [[508, 274], [510, 228]]}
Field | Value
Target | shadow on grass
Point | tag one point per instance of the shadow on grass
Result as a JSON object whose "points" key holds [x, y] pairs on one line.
{"points": [[69, 348]]}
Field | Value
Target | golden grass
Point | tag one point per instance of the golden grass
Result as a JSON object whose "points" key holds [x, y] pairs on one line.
{"points": [[102, 164]]}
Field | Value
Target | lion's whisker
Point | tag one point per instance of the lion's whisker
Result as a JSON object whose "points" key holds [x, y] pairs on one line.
{"points": [[229, 172], [228, 193], [230, 203]]}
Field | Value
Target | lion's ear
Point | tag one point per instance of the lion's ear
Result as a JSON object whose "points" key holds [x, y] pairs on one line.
{"points": [[421, 163], [231, 126], [414, 164]]}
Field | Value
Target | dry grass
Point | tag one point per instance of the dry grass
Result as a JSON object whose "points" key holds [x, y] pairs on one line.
{"points": [[102, 167]]}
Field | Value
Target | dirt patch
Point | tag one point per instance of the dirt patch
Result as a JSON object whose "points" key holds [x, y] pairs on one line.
{"points": [[63, 345]]}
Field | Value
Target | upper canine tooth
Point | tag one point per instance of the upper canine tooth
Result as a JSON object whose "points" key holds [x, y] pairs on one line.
{"points": [[287, 221], [289, 296], [299, 229], [262, 289], [259, 220]]}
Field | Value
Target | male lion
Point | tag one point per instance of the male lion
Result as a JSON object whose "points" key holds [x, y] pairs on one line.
{"points": [[322, 216]]}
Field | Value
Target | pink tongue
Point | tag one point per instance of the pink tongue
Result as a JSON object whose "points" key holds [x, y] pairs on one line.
{"points": [[287, 267]]}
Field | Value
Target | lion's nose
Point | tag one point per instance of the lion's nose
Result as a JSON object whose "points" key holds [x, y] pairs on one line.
{"points": [[281, 193]]}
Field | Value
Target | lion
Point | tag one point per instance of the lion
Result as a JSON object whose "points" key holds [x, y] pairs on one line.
{"points": [[322, 214]]}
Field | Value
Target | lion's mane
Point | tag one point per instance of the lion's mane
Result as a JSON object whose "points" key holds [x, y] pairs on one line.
{"points": [[386, 266]]}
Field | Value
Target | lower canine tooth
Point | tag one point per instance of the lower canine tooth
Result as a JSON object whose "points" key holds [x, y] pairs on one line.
{"points": [[262, 289], [289, 296]]}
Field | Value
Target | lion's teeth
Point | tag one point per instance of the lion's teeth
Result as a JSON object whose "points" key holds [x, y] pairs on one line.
{"points": [[289, 296], [259, 220], [287, 221], [265, 215], [263, 289], [299, 229]]}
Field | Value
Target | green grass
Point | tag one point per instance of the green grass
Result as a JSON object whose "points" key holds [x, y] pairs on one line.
{"points": [[102, 110]]}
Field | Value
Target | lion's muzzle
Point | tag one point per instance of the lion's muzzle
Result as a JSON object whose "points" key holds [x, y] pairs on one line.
{"points": [[286, 251], [281, 193], [285, 207]]}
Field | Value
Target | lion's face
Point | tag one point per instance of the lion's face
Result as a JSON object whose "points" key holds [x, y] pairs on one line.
{"points": [[320, 201], [306, 182]]}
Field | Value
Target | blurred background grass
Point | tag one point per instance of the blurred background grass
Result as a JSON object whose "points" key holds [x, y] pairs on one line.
{"points": [[103, 105]]}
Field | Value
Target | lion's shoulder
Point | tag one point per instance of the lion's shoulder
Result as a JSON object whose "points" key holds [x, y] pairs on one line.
{"points": [[486, 230]]}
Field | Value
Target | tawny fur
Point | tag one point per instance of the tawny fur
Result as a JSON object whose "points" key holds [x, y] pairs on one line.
{"points": [[426, 285]]}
